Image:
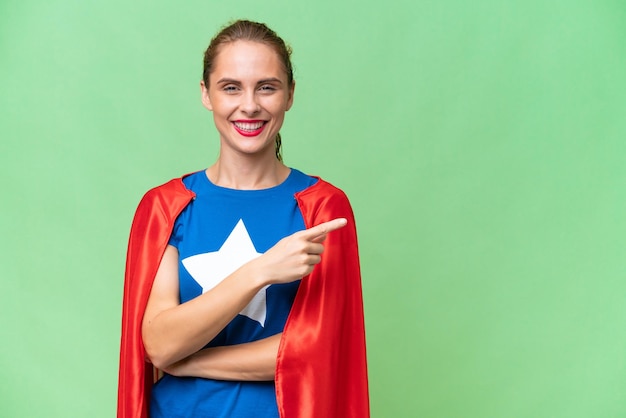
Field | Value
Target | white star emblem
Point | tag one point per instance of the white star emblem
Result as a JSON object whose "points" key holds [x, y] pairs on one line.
{"points": [[209, 269]]}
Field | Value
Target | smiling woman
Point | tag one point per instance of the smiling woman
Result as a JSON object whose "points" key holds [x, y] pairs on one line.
{"points": [[230, 307], [249, 93], [260, 34]]}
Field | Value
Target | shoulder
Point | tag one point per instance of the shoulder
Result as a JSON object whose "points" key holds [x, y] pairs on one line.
{"points": [[323, 191], [176, 187], [166, 198], [169, 189], [324, 200]]}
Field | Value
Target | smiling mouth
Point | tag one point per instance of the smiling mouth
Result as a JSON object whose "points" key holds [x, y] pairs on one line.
{"points": [[249, 128]]}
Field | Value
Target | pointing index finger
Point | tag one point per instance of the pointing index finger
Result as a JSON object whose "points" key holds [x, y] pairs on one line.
{"points": [[325, 227]]}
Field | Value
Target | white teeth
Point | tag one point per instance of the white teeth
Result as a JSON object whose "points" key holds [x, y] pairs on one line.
{"points": [[246, 126]]}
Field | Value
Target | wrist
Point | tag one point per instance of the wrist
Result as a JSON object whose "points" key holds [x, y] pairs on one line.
{"points": [[257, 272]]}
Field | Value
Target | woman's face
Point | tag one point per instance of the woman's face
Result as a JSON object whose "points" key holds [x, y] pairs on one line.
{"points": [[248, 93]]}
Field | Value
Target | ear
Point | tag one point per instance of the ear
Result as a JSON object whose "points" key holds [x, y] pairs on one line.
{"points": [[206, 99], [292, 89]]}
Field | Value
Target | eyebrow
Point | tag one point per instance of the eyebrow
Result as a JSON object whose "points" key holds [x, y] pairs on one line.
{"points": [[270, 80], [263, 81]]}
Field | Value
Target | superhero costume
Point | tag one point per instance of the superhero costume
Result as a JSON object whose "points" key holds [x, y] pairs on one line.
{"points": [[321, 363]]}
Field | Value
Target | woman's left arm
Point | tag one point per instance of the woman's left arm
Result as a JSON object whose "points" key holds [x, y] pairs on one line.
{"points": [[254, 361]]}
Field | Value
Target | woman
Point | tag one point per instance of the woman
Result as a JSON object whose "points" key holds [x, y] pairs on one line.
{"points": [[227, 291]]}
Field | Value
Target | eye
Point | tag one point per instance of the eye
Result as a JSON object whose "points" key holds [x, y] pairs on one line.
{"points": [[230, 89], [267, 88]]}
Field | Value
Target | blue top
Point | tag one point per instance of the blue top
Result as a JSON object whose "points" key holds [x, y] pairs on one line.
{"points": [[220, 230]]}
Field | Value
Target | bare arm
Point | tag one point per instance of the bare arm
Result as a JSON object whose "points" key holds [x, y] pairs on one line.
{"points": [[173, 331], [255, 361]]}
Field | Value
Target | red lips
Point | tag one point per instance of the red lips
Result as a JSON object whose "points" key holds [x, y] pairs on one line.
{"points": [[249, 127]]}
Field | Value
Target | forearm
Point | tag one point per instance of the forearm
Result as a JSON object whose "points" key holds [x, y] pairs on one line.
{"points": [[179, 331], [255, 361], [172, 331]]}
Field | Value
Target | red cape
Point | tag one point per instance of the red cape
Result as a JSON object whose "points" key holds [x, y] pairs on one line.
{"points": [[321, 365]]}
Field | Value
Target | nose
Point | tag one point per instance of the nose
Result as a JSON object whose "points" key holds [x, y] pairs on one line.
{"points": [[250, 104]]}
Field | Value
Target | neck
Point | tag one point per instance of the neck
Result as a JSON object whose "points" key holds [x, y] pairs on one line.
{"points": [[247, 173]]}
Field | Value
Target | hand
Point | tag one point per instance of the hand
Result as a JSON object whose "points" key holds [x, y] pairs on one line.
{"points": [[295, 256]]}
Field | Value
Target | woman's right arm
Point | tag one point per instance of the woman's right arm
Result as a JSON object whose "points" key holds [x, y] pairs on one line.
{"points": [[173, 331]]}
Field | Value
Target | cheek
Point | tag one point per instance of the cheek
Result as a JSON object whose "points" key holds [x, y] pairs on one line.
{"points": [[224, 102], [220, 117], [277, 107], [222, 112]]}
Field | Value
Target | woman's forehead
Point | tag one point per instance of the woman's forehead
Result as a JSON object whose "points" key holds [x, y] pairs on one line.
{"points": [[247, 59]]}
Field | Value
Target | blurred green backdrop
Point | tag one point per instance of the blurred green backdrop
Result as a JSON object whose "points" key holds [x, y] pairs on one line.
{"points": [[482, 144]]}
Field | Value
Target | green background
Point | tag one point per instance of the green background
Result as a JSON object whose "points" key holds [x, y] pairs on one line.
{"points": [[482, 144]]}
